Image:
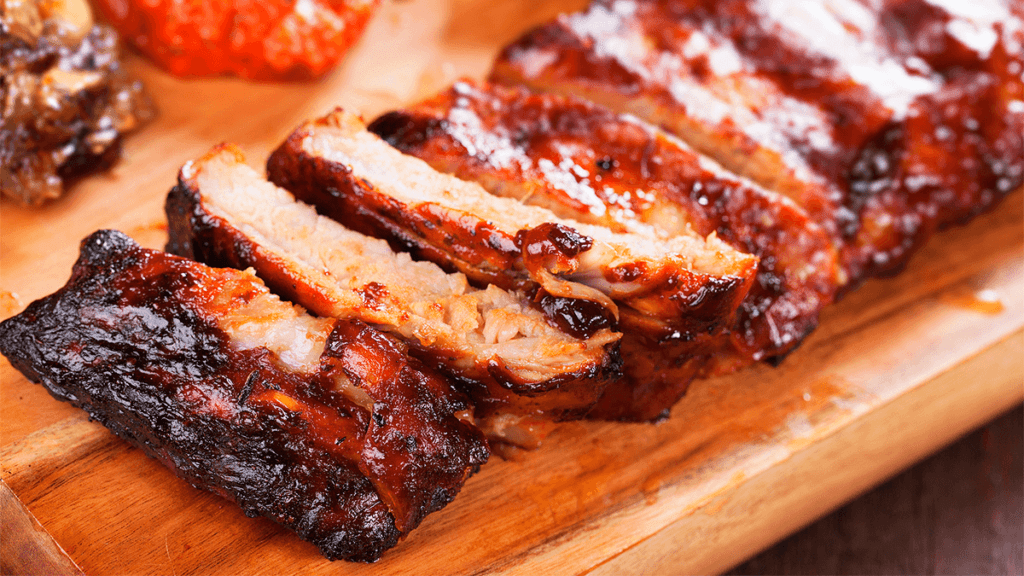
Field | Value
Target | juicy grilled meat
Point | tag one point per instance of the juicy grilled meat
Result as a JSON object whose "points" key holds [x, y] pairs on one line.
{"points": [[676, 295], [668, 63], [684, 287], [325, 426], [224, 214], [884, 123], [586, 163]]}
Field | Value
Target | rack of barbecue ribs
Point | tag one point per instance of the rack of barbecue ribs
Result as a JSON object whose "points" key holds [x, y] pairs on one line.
{"points": [[644, 193], [830, 156], [884, 119], [326, 426], [512, 356]]}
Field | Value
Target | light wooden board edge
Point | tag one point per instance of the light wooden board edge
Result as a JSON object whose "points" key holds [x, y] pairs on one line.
{"points": [[69, 439], [858, 456], [25, 546]]}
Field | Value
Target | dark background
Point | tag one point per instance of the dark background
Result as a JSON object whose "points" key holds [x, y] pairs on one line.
{"points": [[960, 511]]}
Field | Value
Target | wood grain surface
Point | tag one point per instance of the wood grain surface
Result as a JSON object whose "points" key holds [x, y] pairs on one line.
{"points": [[960, 511], [898, 369]]}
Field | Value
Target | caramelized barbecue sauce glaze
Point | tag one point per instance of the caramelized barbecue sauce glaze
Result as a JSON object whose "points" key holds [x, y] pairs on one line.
{"points": [[658, 364], [554, 247], [672, 299], [578, 318], [131, 339], [656, 375], [474, 248], [953, 157], [194, 233], [894, 175], [955, 152], [586, 163], [637, 50]]}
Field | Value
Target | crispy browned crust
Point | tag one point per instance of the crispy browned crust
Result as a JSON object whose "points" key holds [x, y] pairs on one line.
{"points": [[673, 301], [132, 340], [586, 163], [880, 176], [197, 234]]}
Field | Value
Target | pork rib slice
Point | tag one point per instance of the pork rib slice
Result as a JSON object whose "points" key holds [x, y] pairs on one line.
{"points": [[685, 287], [325, 426], [883, 121], [658, 61], [589, 164], [223, 213]]}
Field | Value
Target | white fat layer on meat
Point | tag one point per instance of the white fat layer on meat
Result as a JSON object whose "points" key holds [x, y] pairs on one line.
{"points": [[845, 30], [295, 337], [253, 317], [415, 300]]}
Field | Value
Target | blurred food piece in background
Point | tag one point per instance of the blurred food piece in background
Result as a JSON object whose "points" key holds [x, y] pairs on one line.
{"points": [[254, 39], [65, 100]]}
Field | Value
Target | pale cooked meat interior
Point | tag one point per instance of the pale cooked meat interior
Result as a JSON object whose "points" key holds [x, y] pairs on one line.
{"points": [[257, 318], [296, 338], [413, 181], [420, 301]]}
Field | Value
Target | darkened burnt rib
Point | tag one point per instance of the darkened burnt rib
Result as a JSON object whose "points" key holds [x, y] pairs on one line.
{"points": [[586, 163], [684, 285], [881, 120], [223, 213], [336, 433]]}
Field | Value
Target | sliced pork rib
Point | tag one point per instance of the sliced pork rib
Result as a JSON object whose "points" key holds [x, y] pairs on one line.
{"points": [[669, 64], [675, 295], [224, 214], [885, 121], [326, 426], [586, 163], [684, 287]]}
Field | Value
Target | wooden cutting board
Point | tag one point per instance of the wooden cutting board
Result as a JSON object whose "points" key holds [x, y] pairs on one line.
{"points": [[900, 368]]}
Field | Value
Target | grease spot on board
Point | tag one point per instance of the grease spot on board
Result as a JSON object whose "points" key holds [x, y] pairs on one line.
{"points": [[152, 235], [10, 304], [985, 301], [794, 412], [650, 488], [557, 491], [824, 401]]}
